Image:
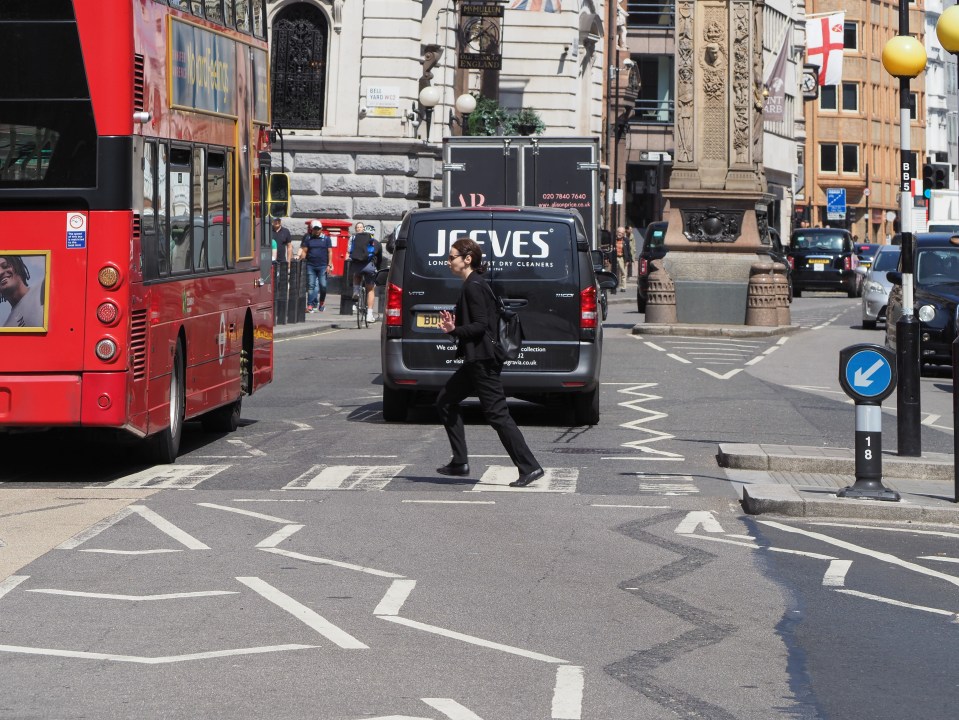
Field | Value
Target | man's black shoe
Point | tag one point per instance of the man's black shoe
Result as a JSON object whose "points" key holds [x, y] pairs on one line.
{"points": [[524, 480], [455, 469]]}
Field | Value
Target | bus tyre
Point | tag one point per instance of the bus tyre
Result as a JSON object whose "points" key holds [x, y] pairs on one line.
{"points": [[166, 443], [586, 408], [394, 405], [225, 419]]}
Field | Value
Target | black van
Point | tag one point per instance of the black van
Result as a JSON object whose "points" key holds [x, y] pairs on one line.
{"points": [[539, 262]]}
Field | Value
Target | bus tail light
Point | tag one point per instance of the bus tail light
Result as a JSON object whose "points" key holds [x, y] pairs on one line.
{"points": [[109, 277], [587, 309], [394, 305], [106, 349], [107, 313]]}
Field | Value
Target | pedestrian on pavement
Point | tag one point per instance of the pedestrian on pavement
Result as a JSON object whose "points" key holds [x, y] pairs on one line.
{"points": [[620, 244], [315, 249], [471, 326], [282, 242], [366, 255], [629, 250]]}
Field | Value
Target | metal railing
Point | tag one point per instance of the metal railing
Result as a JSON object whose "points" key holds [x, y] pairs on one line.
{"points": [[650, 13], [652, 112]]}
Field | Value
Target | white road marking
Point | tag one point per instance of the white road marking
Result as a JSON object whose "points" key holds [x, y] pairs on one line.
{"points": [[753, 546], [696, 519], [148, 660], [836, 573], [395, 596], [498, 477], [654, 346], [640, 507], [178, 477], [135, 598], [639, 398], [10, 583], [801, 553], [683, 360], [252, 451], [756, 359], [641, 457], [334, 563], [899, 603], [451, 709], [300, 426], [452, 634], [452, 502], [568, 693], [884, 557], [724, 376], [938, 533], [279, 536], [930, 419], [127, 552], [160, 523], [741, 537], [345, 477], [668, 488], [938, 558], [304, 614], [248, 513]]}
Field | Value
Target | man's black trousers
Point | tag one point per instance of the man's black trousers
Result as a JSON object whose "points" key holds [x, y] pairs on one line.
{"points": [[481, 378]]}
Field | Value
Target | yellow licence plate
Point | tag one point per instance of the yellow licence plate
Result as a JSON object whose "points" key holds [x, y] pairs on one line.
{"points": [[428, 320], [818, 261]]}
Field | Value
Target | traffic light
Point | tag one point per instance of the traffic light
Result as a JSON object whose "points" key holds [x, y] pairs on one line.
{"points": [[940, 176], [927, 179]]}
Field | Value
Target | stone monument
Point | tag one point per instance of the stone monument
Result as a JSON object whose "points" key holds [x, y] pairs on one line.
{"points": [[717, 195]]}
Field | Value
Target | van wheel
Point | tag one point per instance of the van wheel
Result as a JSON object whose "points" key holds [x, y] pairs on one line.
{"points": [[225, 419], [586, 408], [165, 445], [395, 403]]}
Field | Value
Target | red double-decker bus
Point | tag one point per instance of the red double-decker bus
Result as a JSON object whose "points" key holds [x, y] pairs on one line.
{"points": [[135, 275]]}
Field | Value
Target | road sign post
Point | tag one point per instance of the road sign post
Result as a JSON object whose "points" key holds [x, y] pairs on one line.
{"points": [[867, 374]]}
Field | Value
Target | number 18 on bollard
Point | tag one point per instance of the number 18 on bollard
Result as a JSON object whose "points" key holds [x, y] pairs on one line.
{"points": [[867, 374]]}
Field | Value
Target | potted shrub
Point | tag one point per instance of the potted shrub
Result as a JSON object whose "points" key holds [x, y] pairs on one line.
{"points": [[525, 122]]}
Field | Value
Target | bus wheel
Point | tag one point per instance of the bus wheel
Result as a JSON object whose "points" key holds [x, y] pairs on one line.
{"points": [[395, 405], [225, 419], [166, 443]]}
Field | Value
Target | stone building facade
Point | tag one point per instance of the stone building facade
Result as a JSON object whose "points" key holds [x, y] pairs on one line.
{"points": [[346, 76]]}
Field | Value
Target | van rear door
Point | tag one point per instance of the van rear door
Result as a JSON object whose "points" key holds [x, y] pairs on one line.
{"points": [[532, 265]]}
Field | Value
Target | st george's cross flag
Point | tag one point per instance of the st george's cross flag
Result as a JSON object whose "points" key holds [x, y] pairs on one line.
{"points": [[824, 45], [550, 6]]}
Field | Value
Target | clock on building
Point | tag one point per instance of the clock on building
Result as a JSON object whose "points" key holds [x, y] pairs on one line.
{"points": [[810, 82]]}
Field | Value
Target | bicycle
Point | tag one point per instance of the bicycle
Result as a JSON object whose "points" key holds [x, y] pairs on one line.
{"points": [[362, 318]]}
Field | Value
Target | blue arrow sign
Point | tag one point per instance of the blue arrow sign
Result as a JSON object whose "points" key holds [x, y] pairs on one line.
{"points": [[836, 201], [868, 373]]}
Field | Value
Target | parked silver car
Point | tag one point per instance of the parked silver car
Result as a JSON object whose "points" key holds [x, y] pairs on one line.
{"points": [[875, 287]]}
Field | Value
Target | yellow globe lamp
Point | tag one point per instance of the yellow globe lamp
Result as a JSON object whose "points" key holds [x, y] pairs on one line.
{"points": [[903, 56], [947, 29]]}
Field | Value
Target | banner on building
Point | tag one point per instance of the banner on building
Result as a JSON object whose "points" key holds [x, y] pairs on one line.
{"points": [[550, 6], [775, 108], [824, 46]]}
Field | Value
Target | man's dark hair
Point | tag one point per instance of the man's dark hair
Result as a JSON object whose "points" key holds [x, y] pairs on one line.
{"points": [[19, 267]]}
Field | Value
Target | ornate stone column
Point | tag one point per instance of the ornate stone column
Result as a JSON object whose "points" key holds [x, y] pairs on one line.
{"points": [[717, 192]]}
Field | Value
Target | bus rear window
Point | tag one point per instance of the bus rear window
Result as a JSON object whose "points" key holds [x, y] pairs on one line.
{"points": [[48, 135]]}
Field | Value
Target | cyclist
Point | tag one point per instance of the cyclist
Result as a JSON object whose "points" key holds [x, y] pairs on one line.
{"points": [[366, 254]]}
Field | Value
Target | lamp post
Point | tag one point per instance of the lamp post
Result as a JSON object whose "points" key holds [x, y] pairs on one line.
{"points": [[904, 57], [429, 99], [465, 105]]}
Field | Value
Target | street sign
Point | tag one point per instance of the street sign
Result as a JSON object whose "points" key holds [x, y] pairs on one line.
{"points": [[867, 373], [835, 203], [480, 61]]}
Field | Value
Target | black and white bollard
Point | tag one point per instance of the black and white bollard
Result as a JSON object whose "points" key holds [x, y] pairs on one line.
{"points": [[867, 373]]}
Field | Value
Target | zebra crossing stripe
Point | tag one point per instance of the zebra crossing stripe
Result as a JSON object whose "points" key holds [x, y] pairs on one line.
{"points": [[556, 480], [346, 477], [183, 477]]}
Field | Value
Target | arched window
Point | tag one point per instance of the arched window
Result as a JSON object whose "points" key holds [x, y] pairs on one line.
{"points": [[299, 41]]}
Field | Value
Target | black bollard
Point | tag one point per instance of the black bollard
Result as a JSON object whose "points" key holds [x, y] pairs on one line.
{"points": [[908, 416], [955, 414], [868, 457]]}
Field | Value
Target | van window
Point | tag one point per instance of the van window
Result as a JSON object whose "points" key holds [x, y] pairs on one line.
{"points": [[521, 249]]}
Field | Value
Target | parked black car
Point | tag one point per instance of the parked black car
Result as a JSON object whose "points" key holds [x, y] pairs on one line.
{"points": [[654, 247], [935, 295], [823, 259]]}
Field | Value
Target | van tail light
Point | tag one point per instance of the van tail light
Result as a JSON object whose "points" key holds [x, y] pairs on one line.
{"points": [[643, 266], [792, 262], [394, 305], [587, 308]]}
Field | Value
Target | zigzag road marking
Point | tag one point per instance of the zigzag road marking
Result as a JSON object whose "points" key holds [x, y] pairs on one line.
{"points": [[640, 423]]}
